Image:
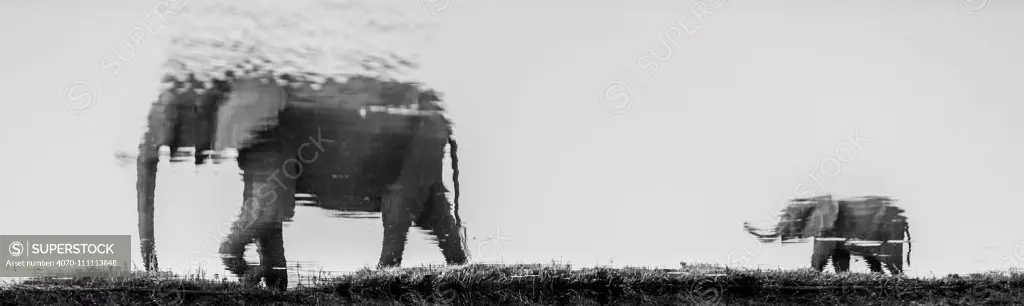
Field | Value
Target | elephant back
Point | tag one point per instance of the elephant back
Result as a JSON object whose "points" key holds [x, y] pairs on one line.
{"points": [[867, 218], [371, 141]]}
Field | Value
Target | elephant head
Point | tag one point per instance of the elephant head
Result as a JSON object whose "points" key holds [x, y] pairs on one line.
{"points": [[802, 218]]}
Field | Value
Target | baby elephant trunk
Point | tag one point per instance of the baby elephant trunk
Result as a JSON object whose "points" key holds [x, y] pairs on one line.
{"points": [[770, 237]]}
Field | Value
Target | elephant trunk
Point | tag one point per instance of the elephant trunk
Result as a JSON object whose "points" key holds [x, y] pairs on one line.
{"points": [[767, 238], [145, 187], [177, 119], [159, 130]]}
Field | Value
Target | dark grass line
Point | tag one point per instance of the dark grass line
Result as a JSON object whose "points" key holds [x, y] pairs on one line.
{"points": [[543, 285]]}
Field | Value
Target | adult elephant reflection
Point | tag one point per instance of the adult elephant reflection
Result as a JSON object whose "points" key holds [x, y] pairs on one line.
{"points": [[870, 227], [346, 119], [378, 151]]}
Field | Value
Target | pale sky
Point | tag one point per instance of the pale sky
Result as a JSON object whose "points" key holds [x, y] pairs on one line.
{"points": [[734, 121]]}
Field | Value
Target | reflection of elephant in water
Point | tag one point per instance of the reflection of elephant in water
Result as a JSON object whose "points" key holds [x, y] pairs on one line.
{"points": [[863, 226], [376, 162], [305, 117]]}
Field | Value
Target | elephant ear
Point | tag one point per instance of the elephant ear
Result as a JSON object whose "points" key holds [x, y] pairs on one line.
{"points": [[866, 217], [253, 105], [821, 218]]}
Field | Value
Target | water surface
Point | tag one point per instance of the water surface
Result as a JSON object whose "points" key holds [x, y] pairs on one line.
{"points": [[749, 109]]}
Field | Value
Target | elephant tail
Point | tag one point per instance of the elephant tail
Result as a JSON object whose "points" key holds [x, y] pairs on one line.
{"points": [[906, 230], [455, 176], [455, 183]]}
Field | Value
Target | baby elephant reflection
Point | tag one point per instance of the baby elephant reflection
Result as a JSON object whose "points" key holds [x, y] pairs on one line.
{"points": [[870, 227]]}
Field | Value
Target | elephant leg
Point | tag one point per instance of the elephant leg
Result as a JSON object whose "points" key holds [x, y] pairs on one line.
{"points": [[420, 171], [822, 251], [398, 210], [894, 262], [270, 242], [841, 260], [437, 218], [894, 268], [270, 245], [873, 263], [269, 198]]}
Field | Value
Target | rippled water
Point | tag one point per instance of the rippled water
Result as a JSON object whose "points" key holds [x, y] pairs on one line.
{"points": [[194, 206], [724, 130]]}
